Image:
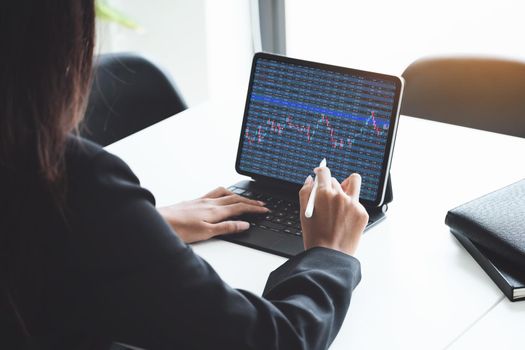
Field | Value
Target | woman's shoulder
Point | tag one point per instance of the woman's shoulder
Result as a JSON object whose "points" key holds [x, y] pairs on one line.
{"points": [[79, 149], [89, 158], [92, 171]]}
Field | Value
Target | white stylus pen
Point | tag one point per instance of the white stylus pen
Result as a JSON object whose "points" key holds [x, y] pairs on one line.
{"points": [[310, 206]]}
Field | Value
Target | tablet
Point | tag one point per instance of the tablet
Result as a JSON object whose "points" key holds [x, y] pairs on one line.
{"points": [[298, 112]]}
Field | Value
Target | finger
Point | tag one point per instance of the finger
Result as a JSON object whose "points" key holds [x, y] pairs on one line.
{"points": [[354, 186], [336, 185], [305, 191], [324, 177], [218, 192], [344, 184], [235, 198], [237, 209], [231, 226]]}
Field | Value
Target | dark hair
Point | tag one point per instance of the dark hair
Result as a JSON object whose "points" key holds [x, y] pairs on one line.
{"points": [[45, 68]]}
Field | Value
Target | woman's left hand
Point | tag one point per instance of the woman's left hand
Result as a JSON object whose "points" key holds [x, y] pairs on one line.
{"points": [[206, 217]]}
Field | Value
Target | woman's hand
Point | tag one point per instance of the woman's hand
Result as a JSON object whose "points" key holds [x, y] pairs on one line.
{"points": [[338, 219], [206, 217]]}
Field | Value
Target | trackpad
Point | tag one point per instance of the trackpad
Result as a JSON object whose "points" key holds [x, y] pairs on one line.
{"points": [[274, 242], [290, 244], [257, 236]]}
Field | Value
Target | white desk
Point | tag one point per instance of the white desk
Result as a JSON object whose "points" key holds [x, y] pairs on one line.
{"points": [[501, 328], [420, 289]]}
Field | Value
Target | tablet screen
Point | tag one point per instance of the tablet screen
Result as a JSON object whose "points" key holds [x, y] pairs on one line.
{"points": [[299, 112]]}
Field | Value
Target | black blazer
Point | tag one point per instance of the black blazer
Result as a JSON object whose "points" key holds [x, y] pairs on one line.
{"points": [[106, 267]]}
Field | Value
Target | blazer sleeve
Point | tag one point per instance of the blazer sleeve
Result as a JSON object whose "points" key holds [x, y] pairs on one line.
{"points": [[132, 280]]}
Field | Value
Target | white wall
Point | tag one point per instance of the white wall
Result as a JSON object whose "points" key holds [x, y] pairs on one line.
{"points": [[230, 47], [174, 36], [206, 45], [387, 35]]}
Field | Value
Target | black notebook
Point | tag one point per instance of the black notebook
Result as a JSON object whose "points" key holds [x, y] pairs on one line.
{"points": [[492, 229], [509, 279]]}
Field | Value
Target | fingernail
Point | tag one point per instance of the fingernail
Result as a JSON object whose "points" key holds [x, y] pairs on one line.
{"points": [[261, 203], [308, 179], [243, 225]]}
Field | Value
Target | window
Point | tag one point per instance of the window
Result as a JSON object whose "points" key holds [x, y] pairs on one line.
{"points": [[386, 35]]}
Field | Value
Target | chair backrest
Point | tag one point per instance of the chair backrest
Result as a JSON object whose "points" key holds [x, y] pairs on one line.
{"points": [[487, 94], [128, 94]]}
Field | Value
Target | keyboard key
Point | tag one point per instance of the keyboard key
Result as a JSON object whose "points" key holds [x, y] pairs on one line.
{"points": [[271, 225], [252, 217], [283, 217]]}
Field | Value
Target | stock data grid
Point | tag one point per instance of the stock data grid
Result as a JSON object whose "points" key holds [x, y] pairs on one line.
{"points": [[298, 115]]}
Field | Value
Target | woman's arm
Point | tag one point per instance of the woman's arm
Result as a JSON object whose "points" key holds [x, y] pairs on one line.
{"points": [[132, 280], [209, 216]]}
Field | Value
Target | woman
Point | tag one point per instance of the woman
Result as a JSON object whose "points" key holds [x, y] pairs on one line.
{"points": [[87, 259]]}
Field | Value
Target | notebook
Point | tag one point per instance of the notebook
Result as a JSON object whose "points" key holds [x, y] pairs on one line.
{"points": [[509, 278], [492, 230], [495, 221], [298, 112]]}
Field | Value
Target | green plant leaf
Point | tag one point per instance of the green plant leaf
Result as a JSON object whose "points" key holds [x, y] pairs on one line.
{"points": [[108, 13]]}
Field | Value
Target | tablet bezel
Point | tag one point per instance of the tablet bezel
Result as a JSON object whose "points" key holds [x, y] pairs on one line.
{"points": [[394, 119]]}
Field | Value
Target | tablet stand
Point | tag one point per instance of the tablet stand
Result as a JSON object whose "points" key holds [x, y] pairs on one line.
{"points": [[378, 213]]}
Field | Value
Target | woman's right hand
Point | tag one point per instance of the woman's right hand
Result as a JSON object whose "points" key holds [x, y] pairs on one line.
{"points": [[339, 219]]}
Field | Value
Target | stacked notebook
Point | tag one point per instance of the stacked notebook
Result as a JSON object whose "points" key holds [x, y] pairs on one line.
{"points": [[492, 230]]}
